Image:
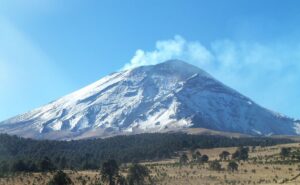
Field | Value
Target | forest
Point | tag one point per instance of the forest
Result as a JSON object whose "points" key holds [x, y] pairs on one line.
{"points": [[20, 154]]}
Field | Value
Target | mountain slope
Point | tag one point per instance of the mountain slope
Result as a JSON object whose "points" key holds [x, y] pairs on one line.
{"points": [[159, 98]]}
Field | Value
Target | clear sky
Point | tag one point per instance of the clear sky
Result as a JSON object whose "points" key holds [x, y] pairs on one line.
{"points": [[49, 48]]}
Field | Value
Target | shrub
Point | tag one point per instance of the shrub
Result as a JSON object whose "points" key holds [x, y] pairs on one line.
{"points": [[232, 166], [110, 171], [215, 165], [204, 158], [224, 155], [60, 178], [285, 152], [138, 174], [241, 153], [183, 159]]}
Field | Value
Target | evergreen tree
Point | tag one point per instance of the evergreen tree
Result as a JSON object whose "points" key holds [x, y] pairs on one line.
{"points": [[63, 163], [183, 159], [224, 155], [196, 156], [46, 164], [60, 178], [232, 166], [241, 153], [19, 166], [285, 152], [215, 165], [137, 174], [204, 158], [110, 171], [4, 168]]}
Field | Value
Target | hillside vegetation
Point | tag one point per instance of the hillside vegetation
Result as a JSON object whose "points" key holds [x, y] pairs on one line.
{"points": [[267, 165], [20, 154]]}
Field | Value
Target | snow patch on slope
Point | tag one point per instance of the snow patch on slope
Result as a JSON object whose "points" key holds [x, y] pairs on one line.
{"points": [[297, 127], [167, 96]]}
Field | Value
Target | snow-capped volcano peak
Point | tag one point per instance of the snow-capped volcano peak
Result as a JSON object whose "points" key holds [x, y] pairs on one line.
{"points": [[167, 96]]}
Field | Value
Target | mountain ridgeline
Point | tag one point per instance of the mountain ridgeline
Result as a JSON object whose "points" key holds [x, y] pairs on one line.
{"points": [[169, 96]]}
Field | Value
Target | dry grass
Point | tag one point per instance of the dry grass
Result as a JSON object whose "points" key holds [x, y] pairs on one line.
{"points": [[81, 177], [260, 169]]}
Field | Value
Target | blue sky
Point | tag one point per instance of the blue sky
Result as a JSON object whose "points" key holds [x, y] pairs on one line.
{"points": [[50, 48]]}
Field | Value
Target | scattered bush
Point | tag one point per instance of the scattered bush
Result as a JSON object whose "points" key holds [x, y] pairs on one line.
{"points": [[224, 155], [138, 175], [215, 165], [60, 178], [241, 153], [183, 160], [232, 166]]}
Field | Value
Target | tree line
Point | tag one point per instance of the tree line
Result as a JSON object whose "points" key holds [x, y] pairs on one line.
{"points": [[20, 154]]}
